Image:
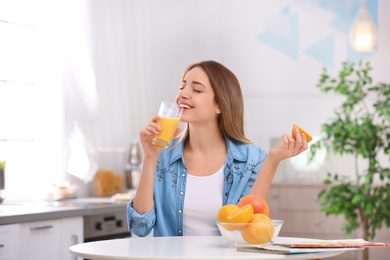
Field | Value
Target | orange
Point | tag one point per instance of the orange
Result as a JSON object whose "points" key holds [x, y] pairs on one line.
{"points": [[231, 226], [225, 211], [259, 204], [258, 233], [307, 135], [223, 214], [242, 215]]}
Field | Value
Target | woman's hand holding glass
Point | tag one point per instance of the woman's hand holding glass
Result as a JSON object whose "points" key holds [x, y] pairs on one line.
{"points": [[148, 134]]}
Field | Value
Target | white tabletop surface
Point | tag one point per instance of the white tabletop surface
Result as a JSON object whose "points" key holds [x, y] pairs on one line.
{"points": [[185, 247]]}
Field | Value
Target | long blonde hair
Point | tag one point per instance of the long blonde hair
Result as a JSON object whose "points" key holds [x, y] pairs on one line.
{"points": [[228, 96]]}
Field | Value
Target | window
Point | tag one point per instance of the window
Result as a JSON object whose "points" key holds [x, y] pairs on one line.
{"points": [[30, 99]]}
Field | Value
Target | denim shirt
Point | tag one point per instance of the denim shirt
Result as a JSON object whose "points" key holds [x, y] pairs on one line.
{"points": [[166, 218]]}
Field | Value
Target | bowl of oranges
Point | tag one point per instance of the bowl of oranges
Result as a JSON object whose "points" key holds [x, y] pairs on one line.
{"points": [[248, 222]]}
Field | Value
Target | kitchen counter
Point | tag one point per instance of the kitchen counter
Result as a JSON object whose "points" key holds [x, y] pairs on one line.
{"points": [[17, 211]]}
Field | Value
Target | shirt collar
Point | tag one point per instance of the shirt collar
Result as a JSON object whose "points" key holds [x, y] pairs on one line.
{"points": [[235, 151]]}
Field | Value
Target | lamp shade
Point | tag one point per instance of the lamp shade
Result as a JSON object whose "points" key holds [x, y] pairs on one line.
{"points": [[363, 33]]}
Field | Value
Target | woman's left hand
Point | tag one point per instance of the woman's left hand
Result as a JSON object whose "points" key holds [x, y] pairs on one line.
{"points": [[290, 147]]}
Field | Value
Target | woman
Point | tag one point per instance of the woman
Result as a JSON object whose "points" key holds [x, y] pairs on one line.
{"points": [[210, 164]]}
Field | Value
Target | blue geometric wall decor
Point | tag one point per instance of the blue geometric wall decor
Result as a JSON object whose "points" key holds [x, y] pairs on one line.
{"points": [[323, 51], [346, 12], [283, 35]]}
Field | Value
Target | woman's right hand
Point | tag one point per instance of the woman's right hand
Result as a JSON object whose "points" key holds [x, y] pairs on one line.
{"points": [[143, 199], [146, 137]]}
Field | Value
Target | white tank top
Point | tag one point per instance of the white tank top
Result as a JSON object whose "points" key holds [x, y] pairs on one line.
{"points": [[203, 199]]}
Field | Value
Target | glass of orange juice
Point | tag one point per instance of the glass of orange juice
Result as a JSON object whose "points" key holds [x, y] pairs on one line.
{"points": [[170, 114]]}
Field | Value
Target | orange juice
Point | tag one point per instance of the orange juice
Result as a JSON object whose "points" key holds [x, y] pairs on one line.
{"points": [[168, 128]]}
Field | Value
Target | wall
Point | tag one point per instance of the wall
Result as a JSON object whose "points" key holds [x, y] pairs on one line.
{"points": [[276, 48]]}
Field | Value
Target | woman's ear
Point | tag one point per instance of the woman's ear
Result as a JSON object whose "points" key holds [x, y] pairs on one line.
{"points": [[218, 111]]}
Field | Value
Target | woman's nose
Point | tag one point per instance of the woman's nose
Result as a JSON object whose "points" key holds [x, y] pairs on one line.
{"points": [[183, 93]]}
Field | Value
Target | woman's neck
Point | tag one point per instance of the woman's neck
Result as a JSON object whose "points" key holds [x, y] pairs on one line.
{"points": [[204, 138], [205, 151]]}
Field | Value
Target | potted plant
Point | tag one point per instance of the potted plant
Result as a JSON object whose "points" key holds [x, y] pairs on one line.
{"points": [[360, 127]]}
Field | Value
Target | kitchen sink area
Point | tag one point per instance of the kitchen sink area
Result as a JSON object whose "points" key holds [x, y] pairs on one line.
{"points": [[76, 202], [24, 210], [11, 209], [14, 209]]}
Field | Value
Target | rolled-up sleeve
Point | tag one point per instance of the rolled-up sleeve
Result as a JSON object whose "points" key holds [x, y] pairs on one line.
{"points": [[140, 225]]}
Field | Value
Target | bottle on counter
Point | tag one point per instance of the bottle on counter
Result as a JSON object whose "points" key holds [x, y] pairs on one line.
{"points": [[2, 181], [133, 165]]}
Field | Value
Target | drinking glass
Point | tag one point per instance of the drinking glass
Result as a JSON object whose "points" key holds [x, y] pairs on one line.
{"points": [[170, 114]]}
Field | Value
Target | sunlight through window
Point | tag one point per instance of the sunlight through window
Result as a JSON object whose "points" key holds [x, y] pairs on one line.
{"points": [[30, 99]]}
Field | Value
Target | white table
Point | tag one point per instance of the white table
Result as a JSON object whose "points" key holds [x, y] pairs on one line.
{"points": [[185, 247]]}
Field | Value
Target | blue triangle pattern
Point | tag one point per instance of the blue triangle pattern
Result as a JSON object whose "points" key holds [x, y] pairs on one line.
{"points": [[346, 12], [286, 10], [286, 45], [343, 23], [323, 51], [338, 7], [372, 6]]}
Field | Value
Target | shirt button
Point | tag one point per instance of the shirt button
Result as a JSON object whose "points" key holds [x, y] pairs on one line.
{"points": [[183, 175], [180, 231], [180, 211], [181, 193]]}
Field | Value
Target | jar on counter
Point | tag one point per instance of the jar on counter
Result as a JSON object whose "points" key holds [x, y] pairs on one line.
{"points": [[110, 177]]}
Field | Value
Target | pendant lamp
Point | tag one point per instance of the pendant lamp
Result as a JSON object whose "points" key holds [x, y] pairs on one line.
{"points": [[363, 33]]}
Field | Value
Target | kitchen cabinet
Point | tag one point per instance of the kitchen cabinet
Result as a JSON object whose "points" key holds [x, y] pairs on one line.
{"points": [[50, 239], [9, 242], [40, 240], [72, 233], [298, 206]]}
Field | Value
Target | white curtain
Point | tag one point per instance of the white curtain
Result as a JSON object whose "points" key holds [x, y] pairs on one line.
{"points": [[81, 98], [116, 47], [118, 65]]}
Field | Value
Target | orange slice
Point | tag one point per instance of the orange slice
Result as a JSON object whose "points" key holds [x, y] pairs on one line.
{"points": [[307, 135], [242, 215]]}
